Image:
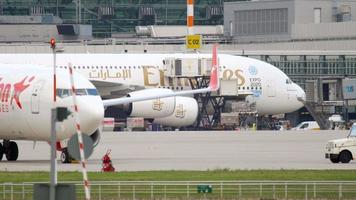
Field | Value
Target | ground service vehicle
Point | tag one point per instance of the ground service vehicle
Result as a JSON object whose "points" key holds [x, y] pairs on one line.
{"points": [[342, 150], [307, 125]]}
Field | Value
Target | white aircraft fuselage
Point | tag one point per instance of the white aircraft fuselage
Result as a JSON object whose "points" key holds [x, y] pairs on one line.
{"points": [[27, 99], [271, 89]]}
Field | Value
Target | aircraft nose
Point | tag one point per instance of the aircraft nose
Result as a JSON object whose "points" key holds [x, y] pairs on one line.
{"points": [[91, 114], [300, 94]]}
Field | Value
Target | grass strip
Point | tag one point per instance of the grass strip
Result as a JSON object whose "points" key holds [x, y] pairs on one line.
{"points": [[214, 175]]}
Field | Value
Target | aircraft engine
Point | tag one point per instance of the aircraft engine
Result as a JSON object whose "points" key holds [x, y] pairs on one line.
{"points": [[155, 108], [185, 113], [96, 137]]}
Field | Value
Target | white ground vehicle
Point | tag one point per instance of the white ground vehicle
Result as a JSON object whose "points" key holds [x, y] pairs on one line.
{"points": [[307, 125], [342, 150]]}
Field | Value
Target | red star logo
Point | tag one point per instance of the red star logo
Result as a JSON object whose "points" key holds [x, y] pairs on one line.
{"points": [[18, 89]]}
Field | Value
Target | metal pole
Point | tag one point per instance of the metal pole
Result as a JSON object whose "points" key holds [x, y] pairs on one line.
{"points": [[306, 191], [165, 191], [240, 191], [12, 191], [314, 191], [119, 191], [23, 191], [99, 191], [52, 191], [53, 46], [187, 190], [133, 192]]}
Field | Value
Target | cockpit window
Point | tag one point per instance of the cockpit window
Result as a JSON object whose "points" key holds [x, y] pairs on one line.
{"points": [[62, 93], [288, 81], [92, 92], [80, 92]]}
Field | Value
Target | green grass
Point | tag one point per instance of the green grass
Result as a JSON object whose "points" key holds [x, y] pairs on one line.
{"points": [[215, 175], [171, 191]]}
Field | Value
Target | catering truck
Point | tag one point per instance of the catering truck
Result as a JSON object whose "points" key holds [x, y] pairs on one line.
{"points": [[342, 150]]}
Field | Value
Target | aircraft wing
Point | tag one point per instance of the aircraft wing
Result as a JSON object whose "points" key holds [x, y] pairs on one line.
{"points": [[107, 89], [213, 86]]}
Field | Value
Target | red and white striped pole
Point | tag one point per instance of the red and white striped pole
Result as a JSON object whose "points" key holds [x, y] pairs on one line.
{"points": [[53, 46], [190, 17], [80, 138]]}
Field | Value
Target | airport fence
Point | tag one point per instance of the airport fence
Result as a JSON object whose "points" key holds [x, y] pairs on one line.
{"points": [[112, 190]]}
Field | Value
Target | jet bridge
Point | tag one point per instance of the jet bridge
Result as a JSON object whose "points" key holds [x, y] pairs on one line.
{"points": [[211, 104]]}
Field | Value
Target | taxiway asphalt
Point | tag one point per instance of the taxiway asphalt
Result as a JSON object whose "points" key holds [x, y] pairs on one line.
{"points": [[143, 151]]}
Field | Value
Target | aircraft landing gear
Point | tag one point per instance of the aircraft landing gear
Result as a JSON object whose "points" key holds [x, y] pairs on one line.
{"points": [[10, 149], [1, 151], [65, 157]]}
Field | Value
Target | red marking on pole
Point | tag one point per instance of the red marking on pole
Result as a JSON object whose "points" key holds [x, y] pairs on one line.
{"points": [[78, 127], [190, 2], [76, 108], [86, 183], [190, 20]]}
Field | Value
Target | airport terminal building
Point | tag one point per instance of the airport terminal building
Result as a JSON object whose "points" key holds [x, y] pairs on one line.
{"points": [[312, 41]]}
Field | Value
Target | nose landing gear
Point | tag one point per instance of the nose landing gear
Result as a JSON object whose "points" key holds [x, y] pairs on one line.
{"points": [[10, 149], [65, 157]]}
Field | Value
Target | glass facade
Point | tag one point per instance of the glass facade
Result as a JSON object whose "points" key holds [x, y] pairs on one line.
{"points": [[112, 16]]}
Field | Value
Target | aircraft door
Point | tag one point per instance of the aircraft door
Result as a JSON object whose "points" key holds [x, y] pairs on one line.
{"points": [[36, 97], [271, 88]]}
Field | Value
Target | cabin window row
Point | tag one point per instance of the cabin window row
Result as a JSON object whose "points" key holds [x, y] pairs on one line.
{"points": [[103, 67], [252, 88]]}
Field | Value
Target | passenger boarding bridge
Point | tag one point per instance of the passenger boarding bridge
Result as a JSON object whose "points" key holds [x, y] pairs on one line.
{"points": [[321, 77]]}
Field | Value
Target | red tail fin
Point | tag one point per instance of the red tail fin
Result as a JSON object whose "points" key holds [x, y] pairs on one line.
{"points": [[214, 79]]}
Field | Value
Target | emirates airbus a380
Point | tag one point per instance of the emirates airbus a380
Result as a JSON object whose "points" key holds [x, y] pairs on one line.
{"points": [[115, 74], [26, 100]]}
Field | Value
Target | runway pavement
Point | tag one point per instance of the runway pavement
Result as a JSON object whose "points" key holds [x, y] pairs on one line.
{"points": [[142, 151]]}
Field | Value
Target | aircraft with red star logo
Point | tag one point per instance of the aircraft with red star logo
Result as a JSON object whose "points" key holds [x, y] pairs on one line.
{"points": [[26, 101]]}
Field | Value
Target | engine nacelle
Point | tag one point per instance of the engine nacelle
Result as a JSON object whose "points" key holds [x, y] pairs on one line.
{"points": [[185, 113], [155, 108], [94, 136]]}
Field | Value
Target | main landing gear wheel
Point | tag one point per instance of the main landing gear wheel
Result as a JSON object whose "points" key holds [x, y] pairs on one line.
{"points": [[1, 151], [65, 157], [11, 151]]}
